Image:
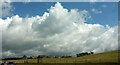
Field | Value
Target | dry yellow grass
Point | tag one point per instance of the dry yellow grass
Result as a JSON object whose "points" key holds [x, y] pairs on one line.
{"points": [[106, 57]]}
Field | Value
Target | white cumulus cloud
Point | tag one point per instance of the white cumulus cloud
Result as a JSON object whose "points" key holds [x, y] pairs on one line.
{"points": [[5, 8], [57, 32]]}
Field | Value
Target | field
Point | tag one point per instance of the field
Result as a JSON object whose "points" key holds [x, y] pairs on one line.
{"points": [[106, 57]]}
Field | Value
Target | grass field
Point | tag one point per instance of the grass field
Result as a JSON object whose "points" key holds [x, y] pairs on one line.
{"points": [[73, 64], [106, 57]]}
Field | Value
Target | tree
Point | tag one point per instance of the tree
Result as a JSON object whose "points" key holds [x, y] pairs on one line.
{"points": [[24, 57]]}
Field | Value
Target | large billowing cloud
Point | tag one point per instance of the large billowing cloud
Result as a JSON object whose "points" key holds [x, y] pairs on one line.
{"points": [[5, 10], [59, 32]]}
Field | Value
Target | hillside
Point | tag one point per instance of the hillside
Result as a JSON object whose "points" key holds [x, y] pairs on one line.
{"points": [[106, 57]]}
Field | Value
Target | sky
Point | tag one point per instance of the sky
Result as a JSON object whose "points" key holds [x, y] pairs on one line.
{"points": [[99, 11], [58, 28]]}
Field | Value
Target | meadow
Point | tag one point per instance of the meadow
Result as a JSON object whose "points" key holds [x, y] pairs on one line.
{"points": [[105, 58]]}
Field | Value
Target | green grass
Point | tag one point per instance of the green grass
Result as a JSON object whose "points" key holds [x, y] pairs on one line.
{"points": [[106, 57]]}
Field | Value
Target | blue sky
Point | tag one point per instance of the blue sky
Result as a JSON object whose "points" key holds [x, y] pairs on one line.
{"points": [[102, 12]]}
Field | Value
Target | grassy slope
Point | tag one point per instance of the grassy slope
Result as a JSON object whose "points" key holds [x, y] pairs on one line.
{"points": [[106, 57]]}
